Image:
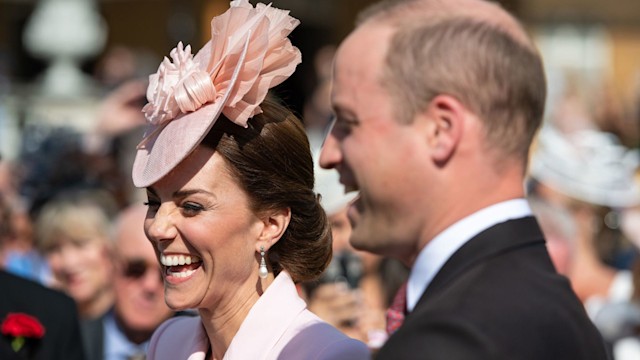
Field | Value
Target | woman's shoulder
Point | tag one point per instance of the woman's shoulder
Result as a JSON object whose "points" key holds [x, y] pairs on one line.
{"points": [[178, 337], [313, 336], [177, 325]]}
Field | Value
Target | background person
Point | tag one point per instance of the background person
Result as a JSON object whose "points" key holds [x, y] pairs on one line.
{"points": [[73, 232], [588, 177], [18, 252], [436, 105], [53, 310], [139, 306], [56, 313]]}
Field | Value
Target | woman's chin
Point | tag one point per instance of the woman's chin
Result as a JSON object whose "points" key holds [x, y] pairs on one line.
{"points": [[178, 302], [181, 289]]}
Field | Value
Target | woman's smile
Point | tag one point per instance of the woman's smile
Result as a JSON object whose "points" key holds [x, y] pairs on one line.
{"points": [[179, 267]]}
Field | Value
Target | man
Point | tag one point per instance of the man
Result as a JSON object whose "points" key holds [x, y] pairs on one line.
{"points": [[436, 105], [139, 309], [350, 295], [56, 313]]}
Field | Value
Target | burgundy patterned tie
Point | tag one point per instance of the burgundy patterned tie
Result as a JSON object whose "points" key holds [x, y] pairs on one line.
{"points": [[395, 313]]}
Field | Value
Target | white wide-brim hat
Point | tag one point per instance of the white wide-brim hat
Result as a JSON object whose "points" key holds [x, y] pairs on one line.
{"points": [[587, 165]]}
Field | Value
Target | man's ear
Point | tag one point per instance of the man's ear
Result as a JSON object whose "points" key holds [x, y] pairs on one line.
{"points": [[275, 224], [444, 117]]}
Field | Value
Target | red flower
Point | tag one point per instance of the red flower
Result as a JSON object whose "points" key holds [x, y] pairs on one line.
{"points": [[21, 326]]}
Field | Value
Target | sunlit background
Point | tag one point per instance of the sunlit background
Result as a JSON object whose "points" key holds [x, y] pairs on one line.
{"points": [[73, 76]]}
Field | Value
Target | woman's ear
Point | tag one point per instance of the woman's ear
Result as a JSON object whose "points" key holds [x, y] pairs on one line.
{"points": [[445, 117], [275, 224]]}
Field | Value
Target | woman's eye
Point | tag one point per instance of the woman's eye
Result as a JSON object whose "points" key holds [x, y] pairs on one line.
{"points": [[152, 204], [190, 208]]}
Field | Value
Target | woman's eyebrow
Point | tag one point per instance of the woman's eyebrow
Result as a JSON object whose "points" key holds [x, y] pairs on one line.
{"points": [[187, 192]]}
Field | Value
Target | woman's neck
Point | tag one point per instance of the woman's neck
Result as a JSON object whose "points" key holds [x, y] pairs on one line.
{"points": [[223, 322]]}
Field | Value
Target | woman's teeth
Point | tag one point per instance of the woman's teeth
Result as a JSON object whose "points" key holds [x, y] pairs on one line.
{"points": [[181, 274], [175, 260]]}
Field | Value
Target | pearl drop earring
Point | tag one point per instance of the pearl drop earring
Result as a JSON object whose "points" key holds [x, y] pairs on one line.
{"points": [[263, 271]]}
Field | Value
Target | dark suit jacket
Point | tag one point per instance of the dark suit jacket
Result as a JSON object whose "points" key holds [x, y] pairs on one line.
{"points": [[56, 311], [93, 337], [498, 297]]}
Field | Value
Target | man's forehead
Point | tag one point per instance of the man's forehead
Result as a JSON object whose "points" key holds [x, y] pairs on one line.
{"points": [[363, 52], [367, 35]]}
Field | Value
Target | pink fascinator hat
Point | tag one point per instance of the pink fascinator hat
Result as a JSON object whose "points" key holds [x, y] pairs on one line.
{"points": [[249, 53]]}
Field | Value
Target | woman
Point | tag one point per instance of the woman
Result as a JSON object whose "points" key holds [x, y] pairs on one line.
{"points": [[232, 213], [73, 233]]}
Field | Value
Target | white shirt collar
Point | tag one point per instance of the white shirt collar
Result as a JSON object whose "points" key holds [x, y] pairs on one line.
{"points": [[437, 251], [116, 344]]}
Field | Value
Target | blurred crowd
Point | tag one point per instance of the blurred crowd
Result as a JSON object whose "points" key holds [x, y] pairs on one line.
{"points": [[70, 219], [584, 188]]}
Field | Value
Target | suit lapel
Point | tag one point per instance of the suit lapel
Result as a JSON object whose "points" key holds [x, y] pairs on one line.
{"points": [[93, 337], [498, 239]]}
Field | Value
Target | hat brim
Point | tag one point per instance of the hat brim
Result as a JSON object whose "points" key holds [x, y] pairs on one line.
{"points": [[170, 145]]}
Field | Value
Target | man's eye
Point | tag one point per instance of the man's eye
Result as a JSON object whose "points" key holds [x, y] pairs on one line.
{"points": [[343, 127]]}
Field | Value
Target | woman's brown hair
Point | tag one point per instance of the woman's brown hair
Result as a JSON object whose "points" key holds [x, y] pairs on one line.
{"points": [[272, 160]]}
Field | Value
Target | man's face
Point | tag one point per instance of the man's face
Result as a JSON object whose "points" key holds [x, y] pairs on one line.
{"points": [[372, 152], [140, 305]]}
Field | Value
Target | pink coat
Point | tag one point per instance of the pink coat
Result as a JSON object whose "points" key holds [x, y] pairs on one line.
{"points": [[278, 326]]}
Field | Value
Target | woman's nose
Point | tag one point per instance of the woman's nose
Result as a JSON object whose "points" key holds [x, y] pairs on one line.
{"points": [[161, 226]]}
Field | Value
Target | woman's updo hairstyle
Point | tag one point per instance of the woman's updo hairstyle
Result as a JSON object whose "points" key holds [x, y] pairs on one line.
{"points": [[273, 163]]}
